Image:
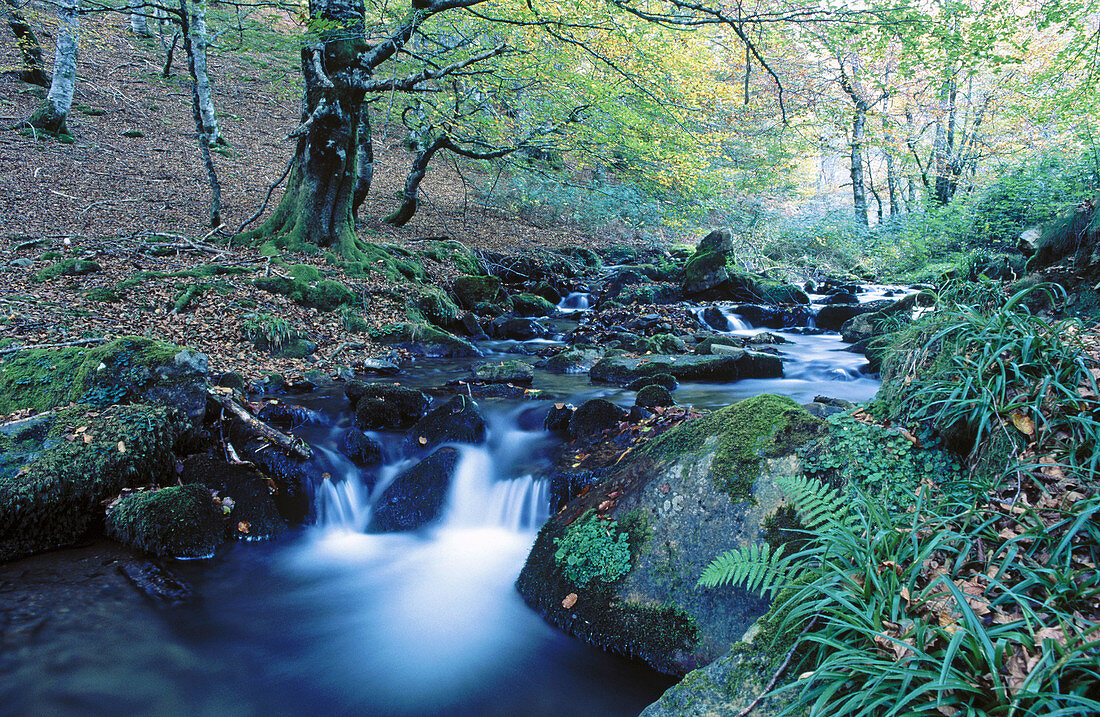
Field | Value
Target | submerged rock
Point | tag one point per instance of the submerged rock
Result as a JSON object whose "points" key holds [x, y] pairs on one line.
{"points": [[617, 566], [732, 367], [417, 496], [181, 521]]}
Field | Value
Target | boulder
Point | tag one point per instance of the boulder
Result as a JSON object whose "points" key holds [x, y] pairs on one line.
{"points": [[664, 380], [617, 566], [1075, 234], [424, 340], [573, 360], [55, 476], [181, 521], [513, 371], [593, 417], [774, 317], [360, 449], [706, 269], [706, 346], [385, 406], [833, 316], [558, 417], [621, 371], [417, 496], [653, 396], [548, 292], [517, 328], [457, 421], [532, 305], [293, 477], [473, 290], [254, 515]]}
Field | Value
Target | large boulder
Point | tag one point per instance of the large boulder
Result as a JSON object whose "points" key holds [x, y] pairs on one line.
{"points": [[617, 566], [385, 406], [706, 269], [593, 417], [513, 371], [417, 496], [473, 290], [254, 515], [424, 340], [130, 369], [181, 521], [833, 316], [741, 364], [1075, 234], [517, 328], [457, 421], [55, 475]]}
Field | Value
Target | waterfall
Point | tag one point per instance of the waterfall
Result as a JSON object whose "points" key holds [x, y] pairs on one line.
{"points": [[576, 301]]}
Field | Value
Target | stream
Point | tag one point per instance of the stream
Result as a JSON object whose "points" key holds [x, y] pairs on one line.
{"points": [[331, 620]]}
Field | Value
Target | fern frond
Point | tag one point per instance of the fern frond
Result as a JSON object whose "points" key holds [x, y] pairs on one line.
{"points": [[756, 568], [817, 504]]}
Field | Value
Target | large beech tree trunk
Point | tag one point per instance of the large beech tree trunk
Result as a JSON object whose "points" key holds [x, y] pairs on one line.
{"points": [[54, 112], [316, 207], [364, 166]]}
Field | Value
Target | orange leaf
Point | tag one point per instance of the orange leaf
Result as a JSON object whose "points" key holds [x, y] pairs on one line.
{"points": [[569, 601]]}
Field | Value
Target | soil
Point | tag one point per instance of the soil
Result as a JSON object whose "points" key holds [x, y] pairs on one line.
{"points": [[140, 203]]}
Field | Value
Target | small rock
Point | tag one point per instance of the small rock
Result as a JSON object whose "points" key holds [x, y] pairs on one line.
{"points": [[593, 417]]}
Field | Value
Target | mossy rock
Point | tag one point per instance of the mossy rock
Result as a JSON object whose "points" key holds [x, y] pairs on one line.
{"points": [[621, 370], [513, 371], [434, 306], [68, 267], [473, 290], [255, 515], [701, 488], [424, 340], [573, 360], [326, 295], [130, 369], [55, 500], [548, 292], [452, 254], [774, 292], [653, 396], [532, 305], [178, 522], [306, 273]]}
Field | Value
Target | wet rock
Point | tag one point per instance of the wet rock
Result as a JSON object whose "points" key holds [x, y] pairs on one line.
{"points": [[381, 366], [514, 371], [652, 396], [155, 581], [706, 270], [254, 516], [714, 318], [593, 417], [665, 380], [457, 421], [360, 449], [425, 340], [532, 305], [841, 297], [657, 519], [547, 292], [705, 347], [385, 406], [573, 360], [54, 500], [832, 317], [283, 414], [774, 317], [178, 522], [745, 364], [291, 475], [473, 290], [417, 496], [233, 380], [567, 485], [470, 324], [517, 328], [558, 417]]}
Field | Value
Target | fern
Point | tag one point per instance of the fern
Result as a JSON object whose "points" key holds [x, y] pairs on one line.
{"points": [[817, 504], [757, 568]]}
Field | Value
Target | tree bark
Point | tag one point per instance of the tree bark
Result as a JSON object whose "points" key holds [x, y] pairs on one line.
{"points": [[29, 48], [53, 115], [139, 23], [410, 198], [364, 166], [859, 192], [944, 147], [201, 78], [186, 31]]}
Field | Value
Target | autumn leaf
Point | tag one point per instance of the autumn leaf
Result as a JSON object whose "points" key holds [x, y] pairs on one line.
{"points": [[1023, 424], [121, 447], [569, 601]]}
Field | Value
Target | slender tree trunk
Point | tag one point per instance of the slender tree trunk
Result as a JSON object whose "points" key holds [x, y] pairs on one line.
{"points": [[186, 31], [29, 48], [410, 194], [874, 191], [944, 148], [892, 179], [197, 62], [859, 192], [54, 112], [364, 167], [139, 22]]}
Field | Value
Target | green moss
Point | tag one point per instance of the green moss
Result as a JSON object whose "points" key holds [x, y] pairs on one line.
{"points": [[56, 500], [531, 305], [180, 521], [306, 272], [593, 550], [473, 290], [765, 426], [327, 295], [434, 306], [454, 255], [424, 340], [352, 321], [776, 292], [68, 267], [104, 295]]}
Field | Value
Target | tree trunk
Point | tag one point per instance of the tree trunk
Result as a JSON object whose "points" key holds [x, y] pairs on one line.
{"points": [[316, 207], [944, 147], [139, 23], [410, 194], [364, 168], [859, 193], [54, 112], [187, 32], [197, 55], [32, 71]]}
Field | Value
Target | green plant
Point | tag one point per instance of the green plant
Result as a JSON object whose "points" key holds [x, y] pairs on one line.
{"points": [[593, 550], [274, 331]]}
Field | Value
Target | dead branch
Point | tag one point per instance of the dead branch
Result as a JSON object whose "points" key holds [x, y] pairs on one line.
{"points": [[260, 429]]}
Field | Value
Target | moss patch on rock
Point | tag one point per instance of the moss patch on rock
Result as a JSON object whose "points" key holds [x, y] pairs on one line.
{"points": [[424, 340], [179, 522], [68, 267]]}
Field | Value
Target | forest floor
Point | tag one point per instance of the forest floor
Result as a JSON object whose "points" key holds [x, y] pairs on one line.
{"points": [[131, 195]]}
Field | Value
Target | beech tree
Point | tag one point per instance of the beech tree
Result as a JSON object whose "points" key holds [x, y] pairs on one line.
{"points": [[53, 114], [27, 41]]}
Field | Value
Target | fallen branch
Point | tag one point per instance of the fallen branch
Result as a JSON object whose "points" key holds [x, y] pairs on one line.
{"points": [[82, 342], [258, 428]]}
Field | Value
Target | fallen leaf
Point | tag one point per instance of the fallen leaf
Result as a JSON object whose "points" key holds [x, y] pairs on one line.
{"points": [[121, 447], [423, 441], [87, 438], [243, 527], [569, 601], [1023, 424]]}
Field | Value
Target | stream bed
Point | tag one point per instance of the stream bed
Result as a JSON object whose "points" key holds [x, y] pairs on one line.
{"points": [[331, 620]]}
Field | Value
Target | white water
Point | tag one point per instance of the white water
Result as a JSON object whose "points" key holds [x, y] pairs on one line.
{"points": [[576, 301]]}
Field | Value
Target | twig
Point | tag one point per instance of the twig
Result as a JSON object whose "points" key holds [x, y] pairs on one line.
{"points": [[267, 198], [295, 445], [82, 342], [778, 673], [106, 201]]}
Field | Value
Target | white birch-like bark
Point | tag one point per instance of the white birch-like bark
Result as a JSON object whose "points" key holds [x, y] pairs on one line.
{"points": [[202, 78], [139, 23], [54, 112]]}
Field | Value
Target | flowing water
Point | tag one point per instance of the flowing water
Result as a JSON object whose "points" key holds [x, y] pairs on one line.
{"points": [[332, 620]]}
